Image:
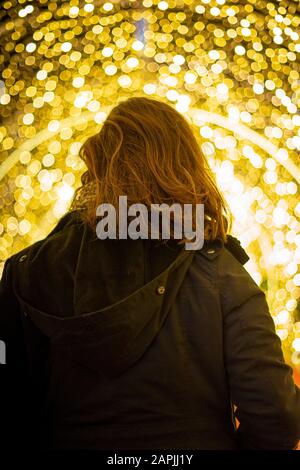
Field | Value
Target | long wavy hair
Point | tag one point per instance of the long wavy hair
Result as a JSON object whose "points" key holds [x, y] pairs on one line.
{"points": [[147, 151]]}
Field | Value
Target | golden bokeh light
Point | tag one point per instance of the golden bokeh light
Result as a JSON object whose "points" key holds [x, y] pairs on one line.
{"points": [[231, 67]]}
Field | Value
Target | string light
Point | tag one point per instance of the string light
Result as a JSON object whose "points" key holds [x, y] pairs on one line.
{"points": [[232, 68]]}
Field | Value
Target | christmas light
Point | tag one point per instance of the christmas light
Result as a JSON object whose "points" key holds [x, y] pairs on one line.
{"points": [[232, 68]]}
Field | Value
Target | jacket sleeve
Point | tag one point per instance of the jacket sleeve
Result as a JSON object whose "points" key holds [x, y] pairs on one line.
{"points": [[261, 384], [14, 393]]}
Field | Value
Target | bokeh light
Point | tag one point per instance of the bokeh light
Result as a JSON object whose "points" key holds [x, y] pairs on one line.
{"points": [[231, 67]]}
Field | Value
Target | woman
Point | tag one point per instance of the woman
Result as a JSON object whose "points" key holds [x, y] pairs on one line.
{"points": [[142, 344]]}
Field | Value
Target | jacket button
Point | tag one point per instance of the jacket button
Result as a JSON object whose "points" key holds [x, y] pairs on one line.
{"points": [[23, 257], [160, 290], [211, 251]]}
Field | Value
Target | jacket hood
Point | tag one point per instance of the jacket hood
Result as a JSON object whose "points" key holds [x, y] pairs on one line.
{"points": [[102, 301]]}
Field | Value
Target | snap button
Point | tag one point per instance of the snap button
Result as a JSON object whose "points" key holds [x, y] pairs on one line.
{"points": [[160, 290], [211, 251], [23, 257]]}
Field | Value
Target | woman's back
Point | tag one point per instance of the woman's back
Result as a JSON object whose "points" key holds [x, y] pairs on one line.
{"points": [[137, 344]]}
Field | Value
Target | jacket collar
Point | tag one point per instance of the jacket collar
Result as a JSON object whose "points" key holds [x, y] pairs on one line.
{"points": [[107, 338]]}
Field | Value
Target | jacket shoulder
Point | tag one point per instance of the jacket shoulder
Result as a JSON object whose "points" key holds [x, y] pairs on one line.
{"points": [[69, 219], [213, 249]]}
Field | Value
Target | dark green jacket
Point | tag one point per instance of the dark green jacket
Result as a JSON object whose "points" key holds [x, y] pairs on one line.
{"points": [[123, 344]]}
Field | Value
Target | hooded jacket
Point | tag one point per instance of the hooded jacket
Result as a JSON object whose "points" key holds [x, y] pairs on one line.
{"points": [[136, 344]]}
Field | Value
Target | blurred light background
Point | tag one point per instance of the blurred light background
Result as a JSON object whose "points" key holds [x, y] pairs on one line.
{"points": [[231, 67]]}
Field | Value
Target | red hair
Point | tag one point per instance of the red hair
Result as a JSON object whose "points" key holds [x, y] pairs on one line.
{"points": [[147, 151]]}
